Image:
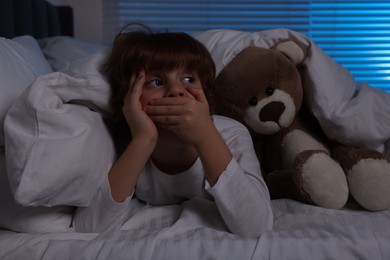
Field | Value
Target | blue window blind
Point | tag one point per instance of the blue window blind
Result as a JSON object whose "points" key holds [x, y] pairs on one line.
{"points": [[356, 33], [201, 15]]}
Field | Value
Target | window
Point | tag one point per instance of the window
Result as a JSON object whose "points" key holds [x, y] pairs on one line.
{"points": [[356, 33]]}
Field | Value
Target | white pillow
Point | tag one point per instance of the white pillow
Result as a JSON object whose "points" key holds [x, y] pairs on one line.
{"points": [[29, 219], [61, 51], [58, 147], [21, 62]]}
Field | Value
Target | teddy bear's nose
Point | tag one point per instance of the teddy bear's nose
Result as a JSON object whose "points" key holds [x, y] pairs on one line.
{"points": [[272, 111]]}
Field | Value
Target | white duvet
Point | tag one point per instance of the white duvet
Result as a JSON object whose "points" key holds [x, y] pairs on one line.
{"points": [[179, 232]]}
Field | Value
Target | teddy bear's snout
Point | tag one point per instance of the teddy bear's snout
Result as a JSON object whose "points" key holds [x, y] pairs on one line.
{"points": [[272, 112]]}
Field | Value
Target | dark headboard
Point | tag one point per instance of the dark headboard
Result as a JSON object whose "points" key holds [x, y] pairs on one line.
{"points": [[38, 18]]}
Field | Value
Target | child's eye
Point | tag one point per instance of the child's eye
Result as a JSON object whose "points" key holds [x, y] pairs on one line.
{"points": [[154, 83], [188, 80]]}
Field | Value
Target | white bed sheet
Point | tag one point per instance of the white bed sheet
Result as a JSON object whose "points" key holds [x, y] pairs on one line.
{"points": [[179, 232]]}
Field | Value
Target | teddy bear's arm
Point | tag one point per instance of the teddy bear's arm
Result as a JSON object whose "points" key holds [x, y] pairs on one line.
{"points": [[294, 143]]}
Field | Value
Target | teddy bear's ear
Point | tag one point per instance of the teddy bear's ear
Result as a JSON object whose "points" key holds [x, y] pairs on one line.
{"points": [[294, 50]]}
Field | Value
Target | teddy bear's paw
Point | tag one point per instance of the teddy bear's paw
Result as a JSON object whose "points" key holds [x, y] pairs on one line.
{"points": [[322, 179], [369, 183]]}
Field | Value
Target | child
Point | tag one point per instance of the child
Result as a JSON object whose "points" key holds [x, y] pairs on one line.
{"points": [[177, 150]]}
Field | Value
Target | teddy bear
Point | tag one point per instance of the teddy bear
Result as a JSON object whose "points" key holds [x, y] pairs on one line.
{"points": [[262, 88]]}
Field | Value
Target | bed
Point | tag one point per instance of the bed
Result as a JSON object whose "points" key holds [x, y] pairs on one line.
{"points": [[55, 149]]}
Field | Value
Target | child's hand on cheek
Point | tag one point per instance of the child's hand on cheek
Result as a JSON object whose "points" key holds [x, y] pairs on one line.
{"points": [[139, 122], [188, 116]]}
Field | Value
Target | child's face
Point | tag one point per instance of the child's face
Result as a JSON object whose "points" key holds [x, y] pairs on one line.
{"points": [[173, 83]]}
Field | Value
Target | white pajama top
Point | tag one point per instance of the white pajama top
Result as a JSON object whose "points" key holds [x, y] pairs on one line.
{"points": [[240, 193]]}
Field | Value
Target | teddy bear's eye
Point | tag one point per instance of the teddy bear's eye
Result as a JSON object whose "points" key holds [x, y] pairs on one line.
{"points": [[269, 91], [253, 101]]}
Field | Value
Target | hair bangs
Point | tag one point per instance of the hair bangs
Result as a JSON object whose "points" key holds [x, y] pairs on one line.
{"points": [[166, 52]]}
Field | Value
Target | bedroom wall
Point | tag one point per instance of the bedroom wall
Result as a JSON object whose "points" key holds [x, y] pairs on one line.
{"points": [[88, 18]]}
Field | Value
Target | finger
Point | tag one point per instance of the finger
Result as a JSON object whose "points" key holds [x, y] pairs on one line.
{"points": [[129, 91], [135, 86], [162, 110], [164, 121], [132, 80], [138, 84], [168, 101]]}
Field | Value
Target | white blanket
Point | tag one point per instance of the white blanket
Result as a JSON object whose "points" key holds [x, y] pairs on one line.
{"points": [[182, 232]]}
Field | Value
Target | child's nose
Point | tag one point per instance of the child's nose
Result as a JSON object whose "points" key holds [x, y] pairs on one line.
{"points": [[176, 90]]}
